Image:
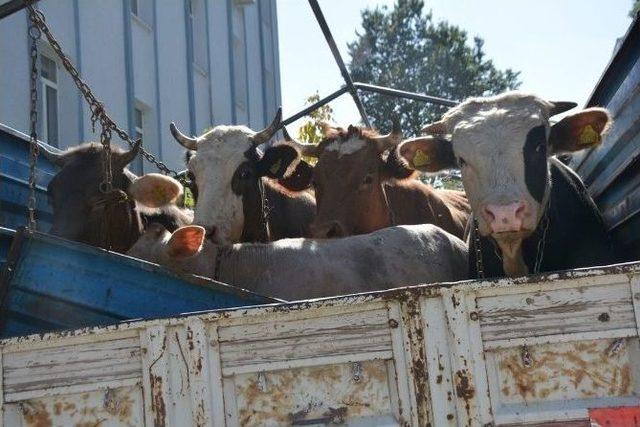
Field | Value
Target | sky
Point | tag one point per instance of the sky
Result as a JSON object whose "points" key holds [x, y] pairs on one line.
{"points": [[561, 47]]}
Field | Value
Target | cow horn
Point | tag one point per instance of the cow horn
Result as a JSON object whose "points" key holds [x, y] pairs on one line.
{"points": [[55, 158], [435, 128], [560, 107], [309, 150], [392, 139], [184, 140], [265, 134], [123, 159]]}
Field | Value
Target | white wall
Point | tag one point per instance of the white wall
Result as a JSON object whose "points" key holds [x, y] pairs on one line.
{"points": [[157, 57]]}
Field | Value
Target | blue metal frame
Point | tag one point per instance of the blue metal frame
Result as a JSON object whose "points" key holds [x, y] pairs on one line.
{"points": [[188, 28]]}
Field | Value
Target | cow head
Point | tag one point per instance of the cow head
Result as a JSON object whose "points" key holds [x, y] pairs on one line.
{"points": [[228, 164], [502, 145], [348, 178], [75, 189]]}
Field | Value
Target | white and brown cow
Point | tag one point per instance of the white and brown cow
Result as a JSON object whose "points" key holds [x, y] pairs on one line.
{"points": [[236, 200], [534, 208]]}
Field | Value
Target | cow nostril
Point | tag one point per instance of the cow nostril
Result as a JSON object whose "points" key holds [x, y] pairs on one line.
{"points": [[521, 210], [489, 215]]}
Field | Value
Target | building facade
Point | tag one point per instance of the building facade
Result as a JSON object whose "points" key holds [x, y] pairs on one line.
{"points": [[194, 62]]}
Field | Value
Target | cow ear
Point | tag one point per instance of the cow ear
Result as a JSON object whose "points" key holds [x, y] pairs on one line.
{"points": [[427, 153], [155, 190], [186, 241], [299, 179], [579, 131], [276, 161]]}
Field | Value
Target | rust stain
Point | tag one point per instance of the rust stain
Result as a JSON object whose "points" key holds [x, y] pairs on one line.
{"points": [[571, 370], [36, 414], [275, 398], [157, 401]]}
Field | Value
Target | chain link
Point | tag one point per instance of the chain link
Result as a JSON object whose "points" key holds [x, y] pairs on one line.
{"points": [[34, 35], [98, 113], [478, 249]]}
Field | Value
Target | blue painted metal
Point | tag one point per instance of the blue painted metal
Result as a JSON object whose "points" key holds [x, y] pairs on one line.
{"points": [[156, 56], [209, 71], [6, 237], [611, 170], [14, 178], [50, 284]]}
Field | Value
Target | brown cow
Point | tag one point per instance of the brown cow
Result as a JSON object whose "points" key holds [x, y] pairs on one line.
{"points": [[362, 186]]}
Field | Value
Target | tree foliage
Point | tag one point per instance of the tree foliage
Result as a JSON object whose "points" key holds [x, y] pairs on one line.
{"points": [[634, 9], [405, 49], [311, 131]]}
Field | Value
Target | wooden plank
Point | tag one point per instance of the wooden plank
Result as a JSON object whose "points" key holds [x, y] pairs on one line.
{"points": [[560, 338], [401, 345], [550, 312], [282, 340], [438, 363], [155, 376], [101, 361], [200, 381], [216, 392], [471, 408]]}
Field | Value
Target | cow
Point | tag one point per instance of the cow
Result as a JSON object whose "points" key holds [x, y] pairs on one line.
{"points": [[238, 174], [77, 200], [531, 212], [299, 268], [361, 186]]}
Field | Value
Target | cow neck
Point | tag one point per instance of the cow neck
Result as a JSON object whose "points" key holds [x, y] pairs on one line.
{"points": [[543, 225]]}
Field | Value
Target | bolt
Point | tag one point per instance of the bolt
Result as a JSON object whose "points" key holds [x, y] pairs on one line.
{"points": [[393, 323], [473, 315], [604, 317]]}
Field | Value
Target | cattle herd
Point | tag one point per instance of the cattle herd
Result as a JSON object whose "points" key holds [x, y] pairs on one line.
{"points": [[357, 220]]}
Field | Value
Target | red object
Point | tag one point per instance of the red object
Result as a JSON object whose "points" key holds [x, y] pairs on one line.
{"points": [[624, 416]]}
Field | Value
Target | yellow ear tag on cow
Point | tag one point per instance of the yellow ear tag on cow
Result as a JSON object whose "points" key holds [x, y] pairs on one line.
{"points": [[420, 158], [275, 167], [589, 136]]}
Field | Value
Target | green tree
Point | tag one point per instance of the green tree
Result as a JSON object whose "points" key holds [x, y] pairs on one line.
{"points": [[311, 131], [634, 9], [405, 49]]}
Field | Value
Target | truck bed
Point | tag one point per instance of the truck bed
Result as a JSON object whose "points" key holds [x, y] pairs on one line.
{"points": [[559, 347]]}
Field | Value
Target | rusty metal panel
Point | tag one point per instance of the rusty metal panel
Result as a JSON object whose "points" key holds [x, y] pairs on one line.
{"points": [[480, 352], [120, 407], [332, 394]]}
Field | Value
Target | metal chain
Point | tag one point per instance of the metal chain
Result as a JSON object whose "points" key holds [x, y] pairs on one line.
{"points": [[478, 249], [34, 35], [98, 113], [542, 241]]}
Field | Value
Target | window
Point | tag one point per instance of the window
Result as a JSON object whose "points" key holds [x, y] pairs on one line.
{"points": [[49, 94], [198, 17], [143, 10]]}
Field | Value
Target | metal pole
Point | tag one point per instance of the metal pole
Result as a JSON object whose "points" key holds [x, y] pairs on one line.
{"points": [[315, 106], [14, 6], [336, 54], [404, 94]]}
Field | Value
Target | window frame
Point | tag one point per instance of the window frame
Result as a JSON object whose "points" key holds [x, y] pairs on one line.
{"points": [[44, 84]]}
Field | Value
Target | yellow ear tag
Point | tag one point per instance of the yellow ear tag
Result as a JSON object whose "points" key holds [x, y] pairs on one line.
{"points": [[275, 167], [420, 158], [589, 136]]}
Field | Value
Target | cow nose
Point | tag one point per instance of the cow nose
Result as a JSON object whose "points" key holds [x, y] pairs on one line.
{"points": [[505, 218]]}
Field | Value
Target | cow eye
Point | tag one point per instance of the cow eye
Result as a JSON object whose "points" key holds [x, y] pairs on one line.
{"points": [[368, 179], [461, 162]]}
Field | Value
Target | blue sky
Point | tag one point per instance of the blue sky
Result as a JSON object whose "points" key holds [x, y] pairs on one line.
{"points": [[561, 47]]}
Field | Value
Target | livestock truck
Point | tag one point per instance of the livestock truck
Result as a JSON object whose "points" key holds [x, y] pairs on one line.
{"points": [[553, 349]]}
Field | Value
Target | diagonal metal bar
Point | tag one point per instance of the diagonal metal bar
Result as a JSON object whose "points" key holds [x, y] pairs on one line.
{"points": [[14, 6], [336, 54], [315, 105], [404, 94]]}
